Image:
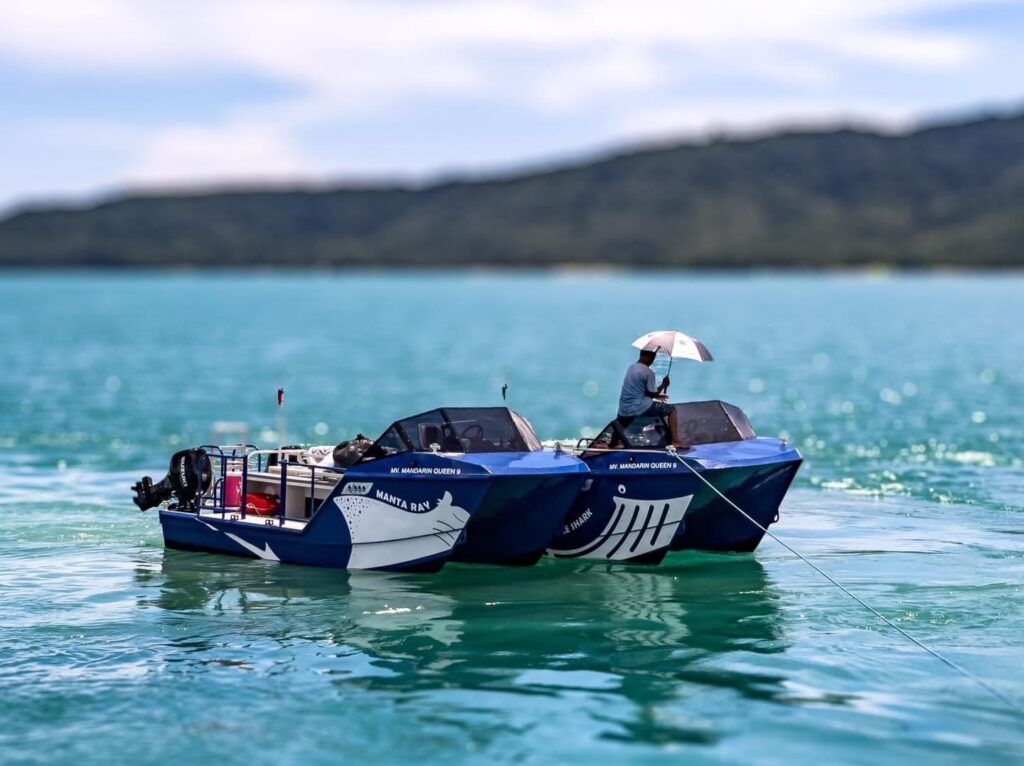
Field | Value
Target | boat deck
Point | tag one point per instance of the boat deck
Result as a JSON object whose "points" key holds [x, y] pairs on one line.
{"points": [[236, 517]]}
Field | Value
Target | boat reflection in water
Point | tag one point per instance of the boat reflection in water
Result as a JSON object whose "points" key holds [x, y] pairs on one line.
{"points": [[643, 637]]}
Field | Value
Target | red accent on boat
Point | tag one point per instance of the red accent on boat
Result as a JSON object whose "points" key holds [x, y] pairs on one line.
{"points": [[262, 504], [232, 490]]}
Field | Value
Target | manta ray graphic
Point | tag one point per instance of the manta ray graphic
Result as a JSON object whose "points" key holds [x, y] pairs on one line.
{"points": [[384, 535]]}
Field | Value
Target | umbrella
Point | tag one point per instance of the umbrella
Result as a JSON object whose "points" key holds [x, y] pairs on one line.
{"points": [[677, 345]]}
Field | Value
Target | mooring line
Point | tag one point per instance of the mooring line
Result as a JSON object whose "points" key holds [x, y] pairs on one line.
{"points": [[993, 690]]}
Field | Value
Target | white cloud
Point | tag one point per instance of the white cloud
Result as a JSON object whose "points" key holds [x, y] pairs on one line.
{"points": [[229, 153], [571, 85], [394, 46], [348, 59]]}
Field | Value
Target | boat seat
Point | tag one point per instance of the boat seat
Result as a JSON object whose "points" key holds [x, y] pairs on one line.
{"points": [[432, 433]]}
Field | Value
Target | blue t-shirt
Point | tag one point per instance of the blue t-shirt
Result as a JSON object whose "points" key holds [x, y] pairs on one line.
{"points": [[633, 401]]}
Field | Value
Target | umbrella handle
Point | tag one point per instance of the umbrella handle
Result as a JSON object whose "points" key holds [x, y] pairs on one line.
{"points": [[669, 363]]}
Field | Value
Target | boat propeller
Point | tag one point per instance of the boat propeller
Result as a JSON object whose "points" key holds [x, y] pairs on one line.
{"points": [[189, 476]]}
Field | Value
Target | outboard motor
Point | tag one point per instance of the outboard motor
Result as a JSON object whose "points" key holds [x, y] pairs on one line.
{"points": [[189, 476]]}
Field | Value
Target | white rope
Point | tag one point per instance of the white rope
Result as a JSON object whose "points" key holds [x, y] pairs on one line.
{"points": [[994, 691]]}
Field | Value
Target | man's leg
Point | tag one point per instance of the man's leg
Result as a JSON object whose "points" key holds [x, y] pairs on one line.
{"points": [[666, 412], [673, 432]]}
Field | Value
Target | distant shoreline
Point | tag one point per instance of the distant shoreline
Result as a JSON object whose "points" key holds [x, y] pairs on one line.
{"points": [[947, 197], [880, 271]]}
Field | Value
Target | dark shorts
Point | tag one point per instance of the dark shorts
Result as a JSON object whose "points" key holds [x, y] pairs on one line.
{"points": [[659, 409]]}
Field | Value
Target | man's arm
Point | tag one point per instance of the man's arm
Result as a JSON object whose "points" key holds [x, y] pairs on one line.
{"points": [[658, 392]]}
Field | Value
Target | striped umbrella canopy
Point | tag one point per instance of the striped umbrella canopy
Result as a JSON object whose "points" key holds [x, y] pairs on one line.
{"points": [[675, 344]]}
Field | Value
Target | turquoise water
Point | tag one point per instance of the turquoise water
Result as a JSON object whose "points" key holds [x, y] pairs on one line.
{"points": [[906, 396]]}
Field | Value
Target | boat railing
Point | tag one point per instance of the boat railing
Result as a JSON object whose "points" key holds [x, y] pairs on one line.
{"points": [[226, 460], [233, 467]]}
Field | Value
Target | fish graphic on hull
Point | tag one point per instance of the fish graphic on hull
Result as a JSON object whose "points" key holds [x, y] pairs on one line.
{"points": [[384, 535], [635, 528]]}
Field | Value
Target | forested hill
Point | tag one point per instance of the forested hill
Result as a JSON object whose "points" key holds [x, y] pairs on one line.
{"points": [[948, 195]]}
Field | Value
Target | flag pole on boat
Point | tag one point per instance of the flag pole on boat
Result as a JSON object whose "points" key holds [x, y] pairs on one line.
{"points": [[282, 417]]}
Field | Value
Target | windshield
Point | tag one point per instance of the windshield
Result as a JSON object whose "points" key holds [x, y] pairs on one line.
{"points": [[458, 429], [644, 432], [697, 422]]}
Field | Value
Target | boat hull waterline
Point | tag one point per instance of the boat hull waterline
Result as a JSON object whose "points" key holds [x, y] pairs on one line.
{"points": [[401, 505], [376, 519], [644, 500], [371, 520], [509, 503]]}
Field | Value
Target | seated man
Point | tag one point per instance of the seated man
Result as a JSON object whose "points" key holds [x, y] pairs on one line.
{"points": [[640, 397]]}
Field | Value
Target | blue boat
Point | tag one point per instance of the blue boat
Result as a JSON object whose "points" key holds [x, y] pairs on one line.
{"points": [[642, 500], [465, 484]]}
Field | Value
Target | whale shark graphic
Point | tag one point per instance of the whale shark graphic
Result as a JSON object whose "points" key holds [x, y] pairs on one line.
{"points": [[384, 535], [636, 527]]}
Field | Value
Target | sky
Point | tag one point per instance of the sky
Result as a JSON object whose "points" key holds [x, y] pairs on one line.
{"points": [[99, 96]]}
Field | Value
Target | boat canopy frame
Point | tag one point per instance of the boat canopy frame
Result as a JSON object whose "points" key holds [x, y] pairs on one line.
{"points": [[464, 430], [710, 422]]}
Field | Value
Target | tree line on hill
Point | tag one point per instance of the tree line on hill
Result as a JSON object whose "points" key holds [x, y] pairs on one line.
{"points": [[949, 195]]}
